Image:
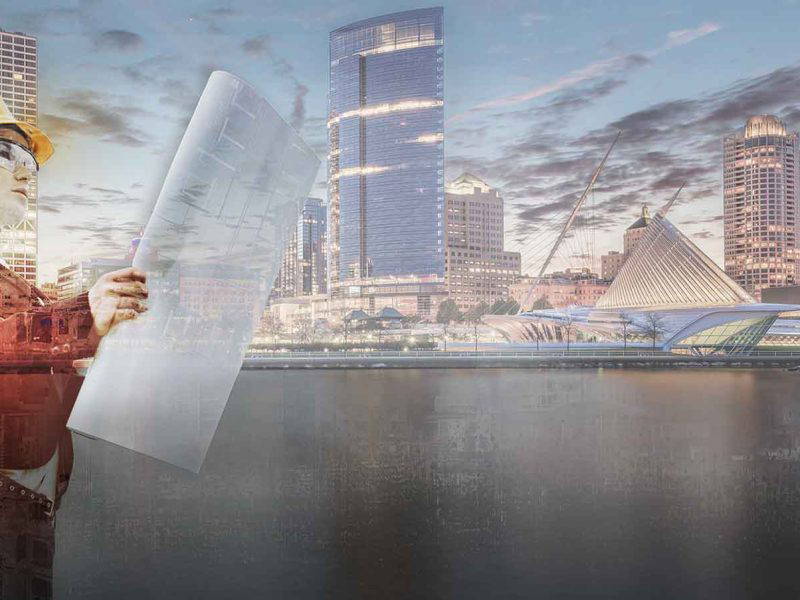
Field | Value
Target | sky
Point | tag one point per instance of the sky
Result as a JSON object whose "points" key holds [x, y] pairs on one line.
{"points": [[534, 93]]}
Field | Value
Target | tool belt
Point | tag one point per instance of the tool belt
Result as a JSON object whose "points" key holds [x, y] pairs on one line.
{"points": [[12, 490]]}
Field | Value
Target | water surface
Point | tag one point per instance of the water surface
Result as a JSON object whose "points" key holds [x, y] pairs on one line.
{"points": [[455, 483]]}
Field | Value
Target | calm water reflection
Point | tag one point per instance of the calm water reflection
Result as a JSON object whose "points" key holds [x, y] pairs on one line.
{"points": [[459, 483]]}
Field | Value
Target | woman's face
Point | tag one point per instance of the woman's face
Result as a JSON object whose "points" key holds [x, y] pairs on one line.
{"points": [[13, 185]]}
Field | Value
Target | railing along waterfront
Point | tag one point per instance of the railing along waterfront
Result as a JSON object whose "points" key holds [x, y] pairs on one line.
{"points": [[578, 353]]}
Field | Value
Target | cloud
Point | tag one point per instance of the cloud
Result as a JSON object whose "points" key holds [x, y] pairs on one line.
{"points": [[257, 46], [102, 236], [593, 70], [705, 220], [213, 17], [92, 197], [298, 106], [159, 74], [260, 47], [119, 40], [542, 172], [682, 37], [85, 112], [531, 18]]}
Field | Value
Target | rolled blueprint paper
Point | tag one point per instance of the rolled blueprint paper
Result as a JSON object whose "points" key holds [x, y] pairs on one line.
{"points": [[211, 249]]}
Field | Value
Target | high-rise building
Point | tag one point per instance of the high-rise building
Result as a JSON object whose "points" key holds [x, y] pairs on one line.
{"points": [[477, 268], [80, 276], [386, 151], [611, 263], [303, 269], [760, 181], [18, 88]]}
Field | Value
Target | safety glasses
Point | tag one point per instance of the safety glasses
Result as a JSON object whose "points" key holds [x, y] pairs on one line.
{"points": [[13, 156]]}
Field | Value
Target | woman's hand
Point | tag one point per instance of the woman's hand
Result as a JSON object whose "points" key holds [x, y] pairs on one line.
{"points": [[117, 296]]}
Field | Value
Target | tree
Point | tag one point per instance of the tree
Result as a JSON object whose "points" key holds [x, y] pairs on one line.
{"points": [[626, 321], [474, 316], [448, 313], [272, 326], [304, 329], [412, 319], [652, 326], [541, 303], [568, 323], [504, 307]]}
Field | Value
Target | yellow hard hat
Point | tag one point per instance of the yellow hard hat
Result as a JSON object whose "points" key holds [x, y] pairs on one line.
{"points": [[41, 146]]}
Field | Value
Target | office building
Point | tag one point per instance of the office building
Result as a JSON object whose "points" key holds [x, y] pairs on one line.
{"points": [[477, 268], [760, 198], [386, 153], [571, 287], [80, 276], [611, 263], [303, 269], [19, 89]]}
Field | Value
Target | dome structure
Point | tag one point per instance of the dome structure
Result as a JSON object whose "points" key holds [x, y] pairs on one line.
{"points": [[760, 125]]}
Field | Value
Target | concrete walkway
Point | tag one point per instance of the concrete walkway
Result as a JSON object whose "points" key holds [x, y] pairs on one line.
{"points": [[505, 360]]}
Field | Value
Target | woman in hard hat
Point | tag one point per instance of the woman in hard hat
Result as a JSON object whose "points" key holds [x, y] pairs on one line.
{"points": [[35, 446]]}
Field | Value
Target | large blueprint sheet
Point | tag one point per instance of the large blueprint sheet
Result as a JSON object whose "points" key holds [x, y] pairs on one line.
{"points": [[211, 249]]}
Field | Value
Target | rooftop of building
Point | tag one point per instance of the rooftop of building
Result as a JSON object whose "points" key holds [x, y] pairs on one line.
{"points": [[435, 11], [466, 184], [759, 125], [643, 220]]}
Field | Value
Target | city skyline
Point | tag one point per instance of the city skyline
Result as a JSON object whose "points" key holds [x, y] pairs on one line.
{"points": [[528, 109]]}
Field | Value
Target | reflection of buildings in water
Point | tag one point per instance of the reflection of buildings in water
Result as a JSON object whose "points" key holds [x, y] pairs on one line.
{"points": [[496, 460], [437, 482]]}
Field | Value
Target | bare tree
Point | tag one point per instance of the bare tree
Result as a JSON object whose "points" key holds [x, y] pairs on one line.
{"points": [[652, 326], [304, 329], [474, 316], [568, 323], [626, 321]]}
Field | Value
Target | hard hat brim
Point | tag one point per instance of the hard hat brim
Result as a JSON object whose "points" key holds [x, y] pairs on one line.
{"points": [[41, 146]]}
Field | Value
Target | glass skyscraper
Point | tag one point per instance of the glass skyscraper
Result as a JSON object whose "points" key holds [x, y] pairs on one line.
{"points": [[18, 88], [386, 160], [304, 264], [761, 175]]}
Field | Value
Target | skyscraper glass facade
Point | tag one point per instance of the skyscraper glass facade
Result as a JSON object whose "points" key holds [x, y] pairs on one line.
{"points": [[304, 264], [760, 199], [18, 88], [386, 160]]}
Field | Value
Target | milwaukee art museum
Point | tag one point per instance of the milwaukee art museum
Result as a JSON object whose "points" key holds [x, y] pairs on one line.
{"points": [[669, 291]]}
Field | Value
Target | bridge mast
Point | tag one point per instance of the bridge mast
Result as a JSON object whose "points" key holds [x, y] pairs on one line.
{"points": [[665, 209], [577, 207]]}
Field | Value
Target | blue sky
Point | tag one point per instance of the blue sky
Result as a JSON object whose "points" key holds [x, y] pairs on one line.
{"points": [[534, 91]]}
